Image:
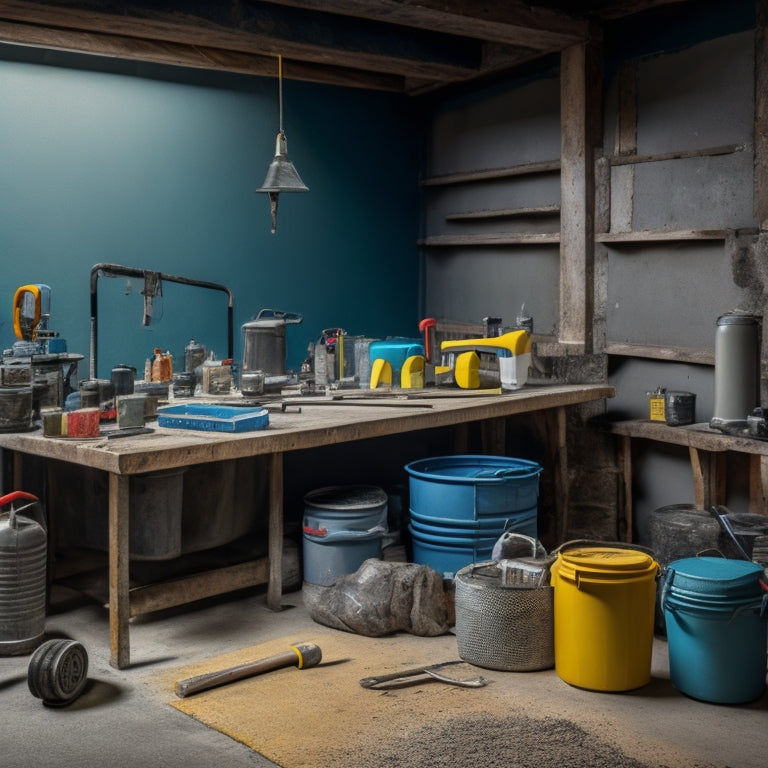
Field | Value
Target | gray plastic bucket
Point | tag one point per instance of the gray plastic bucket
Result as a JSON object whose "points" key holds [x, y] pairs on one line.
{"points": [[343, 527]]}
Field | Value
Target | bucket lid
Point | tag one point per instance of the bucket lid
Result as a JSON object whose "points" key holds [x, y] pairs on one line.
{"points": [[346, 497], [608, 560], [473, 469], [717, 575]]}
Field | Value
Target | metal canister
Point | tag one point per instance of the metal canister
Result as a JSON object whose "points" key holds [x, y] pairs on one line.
{"points": [[736, 369], [122, 378], [194, 356], [23, 560]]}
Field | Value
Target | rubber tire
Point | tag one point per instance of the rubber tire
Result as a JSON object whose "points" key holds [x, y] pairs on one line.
{"points": [[58, 671]]}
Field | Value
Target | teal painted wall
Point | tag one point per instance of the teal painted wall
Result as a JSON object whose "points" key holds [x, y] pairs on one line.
{"points": [[155, 168]]}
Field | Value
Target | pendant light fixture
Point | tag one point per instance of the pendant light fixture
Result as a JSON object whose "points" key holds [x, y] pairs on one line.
{"points": [[281, 175]]}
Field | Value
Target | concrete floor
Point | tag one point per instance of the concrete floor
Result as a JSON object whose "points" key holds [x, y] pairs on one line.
{"points": [[123, 720]]}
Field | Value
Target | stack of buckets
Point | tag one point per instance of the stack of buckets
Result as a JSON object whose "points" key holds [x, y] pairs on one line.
{"points": [[461, 505], [715, 613], [714, 608]]}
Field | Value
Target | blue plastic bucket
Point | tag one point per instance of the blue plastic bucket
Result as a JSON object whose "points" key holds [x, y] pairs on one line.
{"points": [[447, 555], [461, 505], [473, 487], [715, 615], [343, 527], [524, 522]]}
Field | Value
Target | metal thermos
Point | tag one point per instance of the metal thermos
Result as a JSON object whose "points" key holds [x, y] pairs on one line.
{"points": [[23, 560], [736, 370]]}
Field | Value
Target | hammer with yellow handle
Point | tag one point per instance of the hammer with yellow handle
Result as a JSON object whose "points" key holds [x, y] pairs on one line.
{"points": [[302, 655]]}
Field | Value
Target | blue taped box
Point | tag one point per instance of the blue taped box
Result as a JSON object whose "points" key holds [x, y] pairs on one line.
{"points": [[212, 418]]}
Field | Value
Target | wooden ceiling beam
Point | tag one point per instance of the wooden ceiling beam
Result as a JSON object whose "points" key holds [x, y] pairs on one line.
{"points": [[195, 57], [500, 21], [253, 28]]}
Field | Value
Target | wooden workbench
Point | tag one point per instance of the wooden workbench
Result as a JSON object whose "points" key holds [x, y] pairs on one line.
{"points": [[707, 449], [300, 426]]}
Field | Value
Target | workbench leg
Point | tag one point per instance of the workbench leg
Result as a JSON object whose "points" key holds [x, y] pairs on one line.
{"points": [[119, 571], [758, 484], [562, 499], [708, 477], [626, 513], [275, 587], [18, 464]]}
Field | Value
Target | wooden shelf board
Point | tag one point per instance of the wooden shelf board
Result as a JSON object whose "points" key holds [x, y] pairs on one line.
{"points": [[632, 159], [654, 352], [504, 213], [552, 238], [464, 177], [659, 235]]}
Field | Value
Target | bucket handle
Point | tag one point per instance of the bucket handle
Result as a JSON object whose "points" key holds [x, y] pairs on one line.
{"points": [[507, 472], [350, 534], [595, 543], [9, 498]]}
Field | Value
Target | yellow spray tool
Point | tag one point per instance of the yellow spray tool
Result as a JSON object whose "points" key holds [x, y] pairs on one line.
{"points": [[514, 352]]}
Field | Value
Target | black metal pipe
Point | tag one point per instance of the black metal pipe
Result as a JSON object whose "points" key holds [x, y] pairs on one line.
{"points": [[116, 270]]}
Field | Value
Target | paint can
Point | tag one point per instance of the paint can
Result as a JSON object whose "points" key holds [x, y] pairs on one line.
{"points": [[15, 408], [122, 378], [343, 527], [680, 408]]}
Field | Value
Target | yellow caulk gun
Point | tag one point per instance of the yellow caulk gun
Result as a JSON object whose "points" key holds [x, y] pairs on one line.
{"points": [[513, 350]]}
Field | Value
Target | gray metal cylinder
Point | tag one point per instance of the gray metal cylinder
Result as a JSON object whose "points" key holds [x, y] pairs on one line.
{"points": [[23, 558], [736, 369], [264, 346]]}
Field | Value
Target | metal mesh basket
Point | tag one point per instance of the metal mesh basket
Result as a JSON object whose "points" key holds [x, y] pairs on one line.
{"points": [[505, 628]]}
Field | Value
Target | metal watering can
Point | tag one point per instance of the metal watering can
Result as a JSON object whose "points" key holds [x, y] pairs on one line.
{"points": [[23, 561]]}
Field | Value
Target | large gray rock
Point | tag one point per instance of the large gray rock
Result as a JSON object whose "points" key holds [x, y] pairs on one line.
{"points": [[381, 598]]}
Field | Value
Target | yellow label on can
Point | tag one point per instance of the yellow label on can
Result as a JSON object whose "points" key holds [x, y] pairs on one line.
{"points": [[656, 407]]}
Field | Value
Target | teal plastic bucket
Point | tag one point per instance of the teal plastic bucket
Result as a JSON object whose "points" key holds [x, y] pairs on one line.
{"points": [[342, 527], [715, 615]]}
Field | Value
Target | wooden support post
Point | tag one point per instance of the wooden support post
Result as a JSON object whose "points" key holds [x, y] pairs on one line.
{"points": [[275, 588], [758, 485], [119, 571], [580, 126], [761, 114], [562, 498], [708, 469], [626, 509]]}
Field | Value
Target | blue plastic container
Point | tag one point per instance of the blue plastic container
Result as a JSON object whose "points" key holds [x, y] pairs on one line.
{"points": [[715, 615], [212, 418], [446, 554], [461, 505], [473, 487], [343, 527]]}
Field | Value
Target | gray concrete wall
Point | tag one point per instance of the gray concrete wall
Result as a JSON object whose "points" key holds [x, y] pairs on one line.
{"points": [[667, 294]]}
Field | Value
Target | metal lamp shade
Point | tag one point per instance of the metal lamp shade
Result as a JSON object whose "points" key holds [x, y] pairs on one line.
{"points": [[281, 177]]}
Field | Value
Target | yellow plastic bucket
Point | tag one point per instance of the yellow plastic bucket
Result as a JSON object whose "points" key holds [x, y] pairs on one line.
{"points": [[604, 613]]}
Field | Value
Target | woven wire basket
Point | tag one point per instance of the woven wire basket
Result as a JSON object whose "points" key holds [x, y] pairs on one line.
{"points": [[505, 628]]}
